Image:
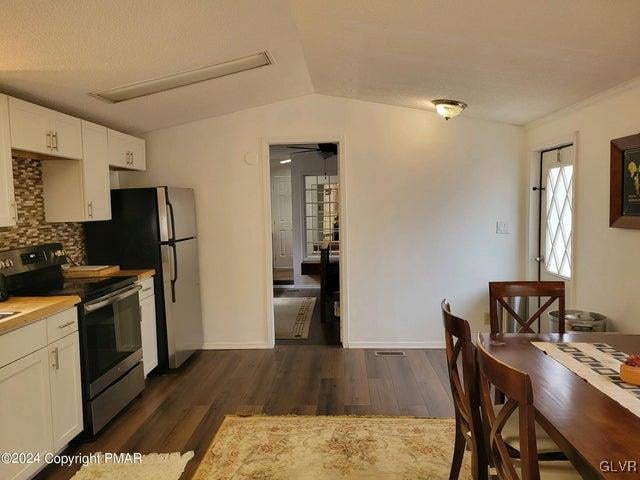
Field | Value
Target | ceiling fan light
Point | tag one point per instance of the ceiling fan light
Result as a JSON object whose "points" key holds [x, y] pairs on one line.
{"points": [[449, 108]]}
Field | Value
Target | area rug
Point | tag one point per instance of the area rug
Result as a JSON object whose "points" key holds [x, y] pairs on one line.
{"points": [[322, 448], [292, 316], [158, 466]]}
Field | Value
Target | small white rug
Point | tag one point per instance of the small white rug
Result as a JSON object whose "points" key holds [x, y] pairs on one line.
{"points": [[158, 466], [292, 316]]}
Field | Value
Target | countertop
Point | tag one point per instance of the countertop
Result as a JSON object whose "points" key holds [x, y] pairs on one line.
{"points": [[141, 274], [33, 309]]}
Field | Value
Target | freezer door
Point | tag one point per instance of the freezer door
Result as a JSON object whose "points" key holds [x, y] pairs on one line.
{"points": [[181, 211], [182, 302]]}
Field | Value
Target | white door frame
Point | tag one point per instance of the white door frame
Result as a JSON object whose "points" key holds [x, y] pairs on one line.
{"points": [[264, 144], [531, 239]]}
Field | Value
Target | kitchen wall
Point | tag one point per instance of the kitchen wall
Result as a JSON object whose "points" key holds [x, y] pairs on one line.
{"points": [[422, 194], [32, 229], [607, 264]]}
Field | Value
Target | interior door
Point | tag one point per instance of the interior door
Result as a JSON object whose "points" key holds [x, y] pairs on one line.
{"points": [[282, 230], [556, 217]]}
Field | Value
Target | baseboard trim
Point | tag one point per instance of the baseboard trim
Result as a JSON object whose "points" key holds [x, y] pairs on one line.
{"points": [[235, 346], [398, 345]]}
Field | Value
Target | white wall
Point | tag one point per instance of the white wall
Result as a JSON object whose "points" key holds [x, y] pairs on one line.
{"points": [[607, 265], [423, 198]]}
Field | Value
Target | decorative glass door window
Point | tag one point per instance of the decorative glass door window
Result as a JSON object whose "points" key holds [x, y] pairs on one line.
{"points": [[559, 220], [322, 200]]}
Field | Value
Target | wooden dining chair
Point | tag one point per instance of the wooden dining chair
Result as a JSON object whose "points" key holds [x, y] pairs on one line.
{"points": [[500, 292], [464, 390], [516, 386]]}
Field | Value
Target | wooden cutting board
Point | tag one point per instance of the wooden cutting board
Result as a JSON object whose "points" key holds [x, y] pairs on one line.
{"points": [[90, 271]]}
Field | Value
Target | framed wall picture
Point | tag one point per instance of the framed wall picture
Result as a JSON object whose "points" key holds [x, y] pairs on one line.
{"points": [[624, 196]]}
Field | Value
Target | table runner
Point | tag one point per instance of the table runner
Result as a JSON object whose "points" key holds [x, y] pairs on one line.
{"points": [[599, 365]]}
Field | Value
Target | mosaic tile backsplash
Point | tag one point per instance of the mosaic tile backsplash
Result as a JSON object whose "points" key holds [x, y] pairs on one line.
{"points": [[32, 229]]}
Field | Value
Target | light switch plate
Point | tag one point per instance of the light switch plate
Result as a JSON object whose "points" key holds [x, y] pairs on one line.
{"points": [[502, 227]]}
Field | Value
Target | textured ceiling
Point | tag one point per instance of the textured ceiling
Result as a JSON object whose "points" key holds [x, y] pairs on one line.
{"points": [[510, 60], [57, 51]]}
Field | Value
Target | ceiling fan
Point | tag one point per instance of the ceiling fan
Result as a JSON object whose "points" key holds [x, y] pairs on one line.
{"points": [[325, 149]]}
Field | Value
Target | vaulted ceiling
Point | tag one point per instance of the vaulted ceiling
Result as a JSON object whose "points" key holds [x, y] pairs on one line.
{"points": [[511, 60]]}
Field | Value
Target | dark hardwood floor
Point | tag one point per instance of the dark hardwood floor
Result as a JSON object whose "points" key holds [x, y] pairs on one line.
{"points": [[181, 411], [319, 333]]}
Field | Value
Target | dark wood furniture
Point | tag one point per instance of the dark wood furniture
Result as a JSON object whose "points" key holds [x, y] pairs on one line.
{"points": [[460, 350], [312, 267], [587, 425], [516, 386], [329, 284], [500, 292], [616, 218]]}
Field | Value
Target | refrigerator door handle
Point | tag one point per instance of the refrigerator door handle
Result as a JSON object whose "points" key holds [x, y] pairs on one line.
{"points": [[173, 221], [174, 276]]}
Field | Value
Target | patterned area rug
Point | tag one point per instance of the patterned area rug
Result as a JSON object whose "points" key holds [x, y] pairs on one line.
{"points": [[292, 316], [320, 448]]}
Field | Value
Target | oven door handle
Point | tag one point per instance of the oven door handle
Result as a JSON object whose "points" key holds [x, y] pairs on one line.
{"points": [[120, 295]]}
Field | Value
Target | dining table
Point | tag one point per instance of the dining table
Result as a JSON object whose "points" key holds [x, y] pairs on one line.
{"points": [[597, 434]]}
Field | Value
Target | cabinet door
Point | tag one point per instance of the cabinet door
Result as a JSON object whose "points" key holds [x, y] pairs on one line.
{"points": [[25, 412], [66, 389], [149, 337], [8, 214], [30, 127], [67, 135], [138, 159], [118, 149], [95, 172]]}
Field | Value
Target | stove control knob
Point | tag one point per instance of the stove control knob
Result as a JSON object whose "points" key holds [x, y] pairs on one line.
{"points": [[9, 262], [3, 264]]}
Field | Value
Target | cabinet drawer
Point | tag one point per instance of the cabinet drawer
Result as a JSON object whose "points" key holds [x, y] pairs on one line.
{"points": [[62, 324], [22, 342], [147, 288]]}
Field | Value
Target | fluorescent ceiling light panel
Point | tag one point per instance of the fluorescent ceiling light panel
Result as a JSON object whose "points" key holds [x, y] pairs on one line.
{"points": [[288, 160], [177, 80]]}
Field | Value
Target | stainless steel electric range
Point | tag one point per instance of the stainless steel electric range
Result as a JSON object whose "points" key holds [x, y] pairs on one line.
{"points": [[108, 323]]}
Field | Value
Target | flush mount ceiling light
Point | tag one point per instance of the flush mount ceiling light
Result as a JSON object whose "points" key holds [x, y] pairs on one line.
{"points": [[288, 160], [449, 108], [176, 80]]}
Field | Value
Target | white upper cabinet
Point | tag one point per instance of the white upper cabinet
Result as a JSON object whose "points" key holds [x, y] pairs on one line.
{"points": [[79, 190], [95, 172], [8, 213], [126, 151], [41, 130]]}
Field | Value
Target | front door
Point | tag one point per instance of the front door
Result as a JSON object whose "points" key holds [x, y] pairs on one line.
{"points": [[556, 216], [282, 230]]}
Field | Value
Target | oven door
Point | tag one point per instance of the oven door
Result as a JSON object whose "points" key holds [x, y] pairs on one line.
{"points": [[111, 338]]}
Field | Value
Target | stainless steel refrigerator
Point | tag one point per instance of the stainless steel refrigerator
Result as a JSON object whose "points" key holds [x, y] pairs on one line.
{"points": [[156, 228]]}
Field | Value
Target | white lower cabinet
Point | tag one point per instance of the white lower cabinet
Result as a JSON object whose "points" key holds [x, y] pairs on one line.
{"points": [[66, 389], [40, 392], [148, 326], [25, 412]]}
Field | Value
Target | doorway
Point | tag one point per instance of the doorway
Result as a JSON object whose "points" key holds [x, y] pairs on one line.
{"points": [[551, 227], [305, 236]]}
